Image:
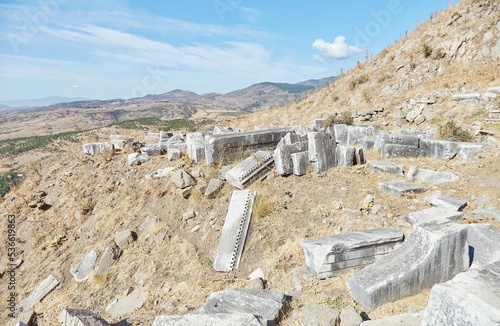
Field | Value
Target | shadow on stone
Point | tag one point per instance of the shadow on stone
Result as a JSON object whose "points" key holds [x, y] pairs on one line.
{"points": [[471, 255]]}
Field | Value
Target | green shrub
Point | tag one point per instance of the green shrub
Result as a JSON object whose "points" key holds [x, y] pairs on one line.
{"points": [[451, 131]]}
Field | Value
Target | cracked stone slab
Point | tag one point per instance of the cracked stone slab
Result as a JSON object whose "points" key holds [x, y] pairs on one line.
{"points": [[218, 319], [84, 268], [399, 187], [385, 167], [434, 214], [38, 294], [439, 200]]}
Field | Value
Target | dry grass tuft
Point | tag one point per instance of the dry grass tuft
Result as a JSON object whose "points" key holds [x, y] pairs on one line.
{"points": [[451, 131], [263, 205]]}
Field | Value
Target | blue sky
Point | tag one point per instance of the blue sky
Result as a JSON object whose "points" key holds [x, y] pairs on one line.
{"points": [[127, 48]]}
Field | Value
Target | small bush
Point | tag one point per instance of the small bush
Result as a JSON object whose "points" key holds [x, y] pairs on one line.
{"points": [[344, 118], [451, 131], [263, 205], [427, 50]]}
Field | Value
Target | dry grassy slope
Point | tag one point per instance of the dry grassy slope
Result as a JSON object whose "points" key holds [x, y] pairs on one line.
{"points": [[463, 39], [92, 198]]}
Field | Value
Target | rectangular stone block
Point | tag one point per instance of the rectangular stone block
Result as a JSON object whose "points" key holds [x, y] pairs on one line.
{"points": [[283, 159], [483, 245], [151, 150], [253, 168], [174, 154], [322, 153], [268, 305], [234, 231], [227, 147], [221, 319], [341, 133], [332, 255], [356, 134], [195, 146], [346, 155], [399, 187], [470, 298], [448, 202], [300, 162], [385, 167], [433, 253], [396, 150], [401, 139], [359, 156], [439, 214], [96, 148], [439, 148], [431, 176]]}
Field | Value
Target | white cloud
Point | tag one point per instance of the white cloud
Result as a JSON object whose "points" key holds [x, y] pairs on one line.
{"points": [[339, 49]]}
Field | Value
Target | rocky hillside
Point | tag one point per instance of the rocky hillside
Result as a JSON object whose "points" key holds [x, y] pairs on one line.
{"points": [[71, 205], [456, 52]]}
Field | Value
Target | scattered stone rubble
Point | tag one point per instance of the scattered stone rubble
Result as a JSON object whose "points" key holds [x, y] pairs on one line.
{"points": [[436, 251]]}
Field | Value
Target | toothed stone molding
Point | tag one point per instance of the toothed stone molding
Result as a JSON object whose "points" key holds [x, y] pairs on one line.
{"points": [[234, 231], [253, 168]]}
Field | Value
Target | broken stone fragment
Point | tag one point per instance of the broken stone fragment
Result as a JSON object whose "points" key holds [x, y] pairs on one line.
{"points": [[219, 319], [213, 188], [399, 187], [319, 315], [124, 238], [80, 317], [125, 305], [182, 179], [84, 268], [108, 258]]}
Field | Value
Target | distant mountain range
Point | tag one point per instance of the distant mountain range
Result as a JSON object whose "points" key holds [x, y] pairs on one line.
{"points": [[246, 99], [39, 102]]}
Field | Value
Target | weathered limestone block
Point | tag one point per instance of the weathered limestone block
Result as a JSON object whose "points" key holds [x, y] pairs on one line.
{"points": [[396, 150], [84, 268], [483, 245], [433, 253], [254, 168], [125, 305], [120, 141], [234, 231], [356, 134], [448, 202], [182, 179], [282, 156], [322, 154], [346, 155], [219, 319], [174, 154], [466, 96], [38, 294], [319, 315], [269, 305], [341, 133], [137, 158], [125, 238], [449, 149], [470, 298], [151, 150], [222, 130], [319, 125], [300, 162], [80, 317], [385, 167], [333, 255], [401, 139], [430, 176], [399, 187], [108, 258], [195, 143], [152, 137], [349, 317], [359, 157], [227, 147], [434, 214], [96, 148], [160, 173]]}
